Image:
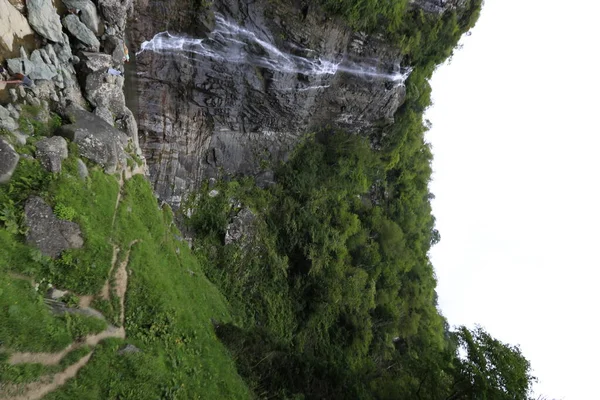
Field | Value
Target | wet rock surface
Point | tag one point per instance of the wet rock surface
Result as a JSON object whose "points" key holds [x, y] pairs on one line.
{"points": [[202, 115]]}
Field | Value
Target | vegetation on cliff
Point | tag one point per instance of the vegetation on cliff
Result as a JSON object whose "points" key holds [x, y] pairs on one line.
{"points": [[332, 287]]}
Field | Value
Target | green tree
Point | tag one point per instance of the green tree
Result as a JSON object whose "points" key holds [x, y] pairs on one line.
{"points": [[489, 369]]}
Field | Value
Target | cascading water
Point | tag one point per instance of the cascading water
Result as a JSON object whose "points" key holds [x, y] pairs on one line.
{"points": [[231, 43]]}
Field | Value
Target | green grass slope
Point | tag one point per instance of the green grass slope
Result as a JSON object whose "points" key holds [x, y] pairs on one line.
{"points": [[169, 303]]}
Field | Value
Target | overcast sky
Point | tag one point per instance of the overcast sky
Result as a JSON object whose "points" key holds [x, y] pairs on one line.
{"points": [[516, 140]]}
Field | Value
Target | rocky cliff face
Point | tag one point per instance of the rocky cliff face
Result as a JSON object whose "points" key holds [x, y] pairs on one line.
{"points": [[233, 94]]}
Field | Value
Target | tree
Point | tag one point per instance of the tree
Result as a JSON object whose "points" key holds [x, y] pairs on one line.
{"points": [[486, 368]]}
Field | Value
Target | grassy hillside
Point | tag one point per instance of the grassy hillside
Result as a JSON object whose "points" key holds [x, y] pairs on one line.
{"points": [[169, 303]]}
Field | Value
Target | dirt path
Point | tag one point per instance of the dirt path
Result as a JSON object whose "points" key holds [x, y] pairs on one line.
{"points": [[105, 292], [121, 277], [37, 390]]}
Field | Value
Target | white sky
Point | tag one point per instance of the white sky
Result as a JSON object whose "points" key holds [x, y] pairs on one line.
{"points": [[516, 142]]}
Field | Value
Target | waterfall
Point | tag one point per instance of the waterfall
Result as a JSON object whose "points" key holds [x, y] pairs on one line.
{"points": [[232, 43]]}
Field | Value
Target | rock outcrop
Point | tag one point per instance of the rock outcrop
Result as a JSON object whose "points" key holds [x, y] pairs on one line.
{"points": [[208, 111], [48, 233]]}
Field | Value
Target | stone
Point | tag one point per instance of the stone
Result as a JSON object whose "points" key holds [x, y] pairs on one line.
{"points": [[7, 121], [41, 69], [43, 18], [46, 232], [56, 294], [213, 193], [128, 349], [103, 90], [51, 151], [115, 11], [127, 123], [8, 161], [88, 15], [114, 46], [82, 169], [241, 227], [97, 140], [13, 25], [91, 62], [81, 32], [105, 114]]}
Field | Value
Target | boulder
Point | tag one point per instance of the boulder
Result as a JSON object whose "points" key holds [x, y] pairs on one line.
{"points": [[97, 140], [51, 151], [48, 233], [91, 62], [8, 161], [41, 69], [12, 25], [81, 32], [105, 114], [104, 90], [116, 47], [89, 14], [35, 67], [7, 121], [43, 18], [115, 11]]}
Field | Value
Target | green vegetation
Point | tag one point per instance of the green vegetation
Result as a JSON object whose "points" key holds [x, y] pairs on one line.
{"points": [[169, 304], [321, 284], [332, 287]]}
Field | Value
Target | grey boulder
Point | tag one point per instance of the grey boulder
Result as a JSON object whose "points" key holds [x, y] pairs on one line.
{"points": [[97, 140], [115, 11], [89, 14], [7, 121], [81, 32], [43, 18], [8, 161], [48, 233], [51, 151]]}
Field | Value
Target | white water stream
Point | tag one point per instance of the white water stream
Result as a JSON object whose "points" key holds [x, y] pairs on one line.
{"points": [[231, 43]]}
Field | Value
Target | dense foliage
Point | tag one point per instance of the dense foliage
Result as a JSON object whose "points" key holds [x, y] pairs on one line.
{"points": [[331, 282]]}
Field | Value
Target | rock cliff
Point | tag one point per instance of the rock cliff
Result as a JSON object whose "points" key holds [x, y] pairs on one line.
{"points": [[233, 94]]}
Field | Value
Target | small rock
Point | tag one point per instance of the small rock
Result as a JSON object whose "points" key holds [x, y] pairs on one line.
{"points": [[51, 151], [81, 32], [213, 193], [13, 95], [82, 169], [8, 161], [128, 349], [43, 18], [56, 294], [6, 120], [48, 233]]}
